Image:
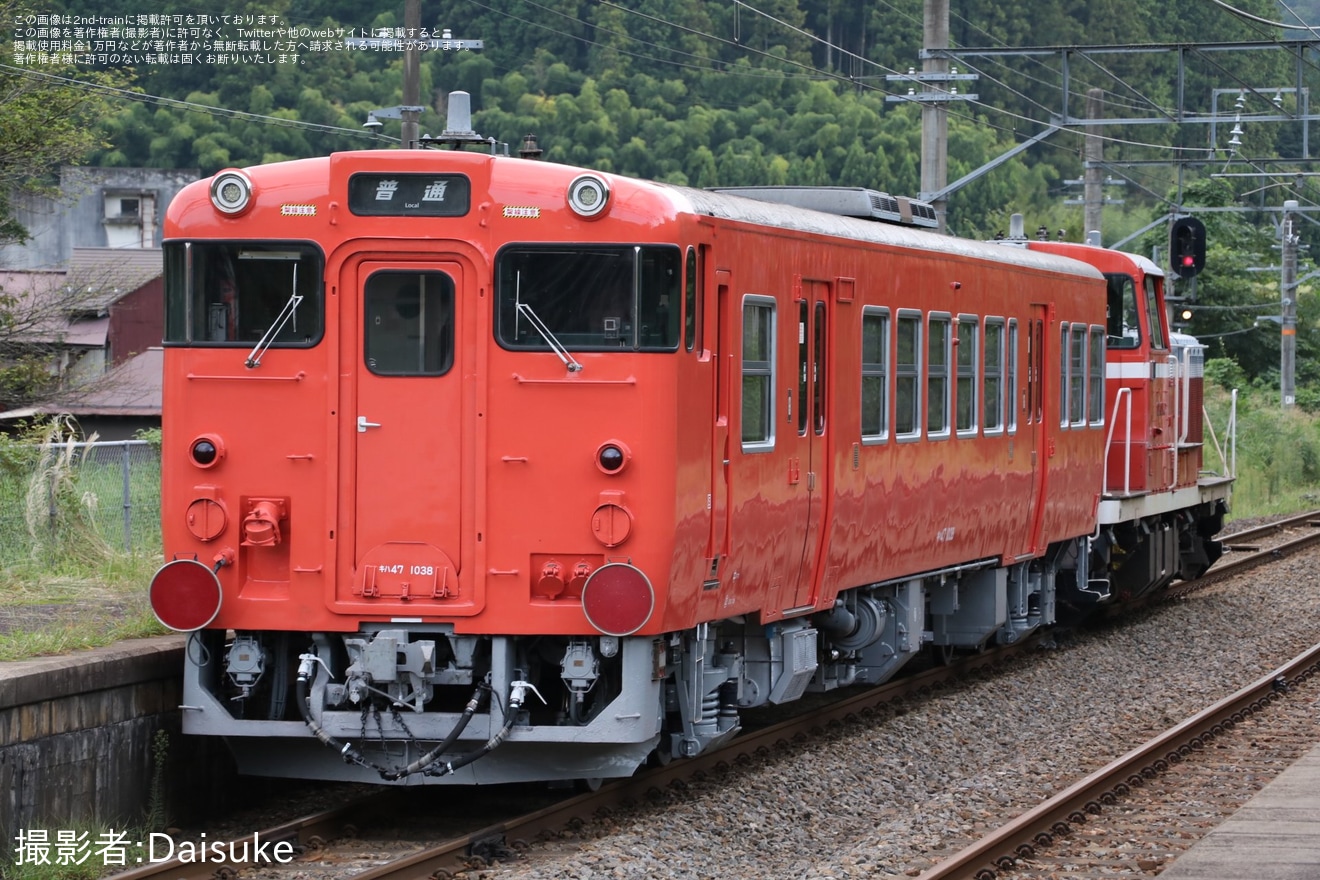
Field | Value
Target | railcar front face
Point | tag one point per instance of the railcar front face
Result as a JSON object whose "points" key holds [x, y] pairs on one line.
{"points": [[416, 419]]}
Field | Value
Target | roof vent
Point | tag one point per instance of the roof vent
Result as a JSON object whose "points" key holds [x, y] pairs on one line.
{"points": [[845, 201]]}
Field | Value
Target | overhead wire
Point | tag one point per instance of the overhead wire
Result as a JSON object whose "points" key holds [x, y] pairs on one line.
{"points": [[707, 66]]}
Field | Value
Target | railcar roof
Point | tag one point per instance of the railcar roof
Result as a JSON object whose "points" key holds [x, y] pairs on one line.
{"points": [[312, 172], [739, 208]]}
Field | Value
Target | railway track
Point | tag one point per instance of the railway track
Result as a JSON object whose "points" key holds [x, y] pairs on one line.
{"points": [[1022, 842], [477, 848], [480, 846]]}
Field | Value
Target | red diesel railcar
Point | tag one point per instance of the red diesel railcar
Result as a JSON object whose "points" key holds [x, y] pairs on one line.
{"points": [[481, 469]]}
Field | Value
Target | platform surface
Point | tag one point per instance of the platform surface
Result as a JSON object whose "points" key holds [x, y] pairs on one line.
{"points": [[1275, 836]]}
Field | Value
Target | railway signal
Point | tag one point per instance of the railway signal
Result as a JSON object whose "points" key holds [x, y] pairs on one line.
{"points": [[1187, 247]]}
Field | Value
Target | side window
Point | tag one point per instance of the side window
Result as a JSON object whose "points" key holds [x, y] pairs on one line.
{"points": [[1077, 375], [1155, 316], [907, 376], [993, 372], [758, 373], [966, 393], [937, 377], [1095, 396], [804, 367], [819, 381], [875, 375], [408, 323]]}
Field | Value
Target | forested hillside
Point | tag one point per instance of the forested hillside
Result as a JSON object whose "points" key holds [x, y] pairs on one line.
{"points": [[724, 92], [687, 91]]}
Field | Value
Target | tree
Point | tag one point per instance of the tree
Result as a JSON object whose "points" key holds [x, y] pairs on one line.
{"points": [[50, 115]]}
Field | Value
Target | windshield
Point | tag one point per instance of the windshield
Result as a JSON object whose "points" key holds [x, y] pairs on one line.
{"points": [[243, 293], [1124, 327], [589, 297], [1154, 315]]}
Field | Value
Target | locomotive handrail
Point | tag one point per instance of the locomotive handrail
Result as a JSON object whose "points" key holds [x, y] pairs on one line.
{"points": [[1127, 443], [1229, 462], [1176, 377]]}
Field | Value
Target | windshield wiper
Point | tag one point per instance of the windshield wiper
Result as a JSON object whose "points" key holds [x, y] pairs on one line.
{"points": [[290, 310], [524, 310]]}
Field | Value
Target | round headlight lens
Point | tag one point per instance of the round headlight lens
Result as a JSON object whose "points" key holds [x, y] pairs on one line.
{"points": [[231, 192], [588, 195]]}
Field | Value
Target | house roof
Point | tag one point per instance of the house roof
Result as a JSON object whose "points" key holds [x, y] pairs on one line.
{"points": [[113, 272], [73, 318], [131, 389]]}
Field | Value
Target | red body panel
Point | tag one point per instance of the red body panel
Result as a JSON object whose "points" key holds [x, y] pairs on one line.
{"points": [[1154, 401], [474, 498]]}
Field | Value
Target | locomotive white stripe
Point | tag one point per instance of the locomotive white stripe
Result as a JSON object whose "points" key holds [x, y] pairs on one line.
{"points": [[1138, 370]]}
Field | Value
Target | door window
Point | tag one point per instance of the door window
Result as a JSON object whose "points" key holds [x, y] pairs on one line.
{"points": [[409, 323]]}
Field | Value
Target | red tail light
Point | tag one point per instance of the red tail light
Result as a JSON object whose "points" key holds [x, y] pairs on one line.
{"points": [[618, 599], [185, 595]]}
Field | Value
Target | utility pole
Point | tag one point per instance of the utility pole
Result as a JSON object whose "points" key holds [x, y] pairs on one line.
{"points": [[939, 86], [1288, 294], [934, 118], [1093, 194], [411, 116]]}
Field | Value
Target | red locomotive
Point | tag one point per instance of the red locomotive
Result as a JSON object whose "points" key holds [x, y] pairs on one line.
{"points": [[482, 469]]}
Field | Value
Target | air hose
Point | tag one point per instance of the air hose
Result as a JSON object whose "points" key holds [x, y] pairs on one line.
{"points": [[350, 754]]}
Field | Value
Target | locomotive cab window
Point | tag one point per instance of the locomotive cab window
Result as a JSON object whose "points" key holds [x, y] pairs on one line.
{"points": [[409, 323], [1124, 328], [589, 298], [240, 293], [1155, 316]]}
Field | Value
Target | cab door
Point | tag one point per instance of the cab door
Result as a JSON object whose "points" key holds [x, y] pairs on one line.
{"points": [[408, 429]]}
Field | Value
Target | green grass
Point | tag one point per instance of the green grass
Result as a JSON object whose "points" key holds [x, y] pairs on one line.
{"points": [[75, 562], [76, 606], [91, 842], [1278, 454]]}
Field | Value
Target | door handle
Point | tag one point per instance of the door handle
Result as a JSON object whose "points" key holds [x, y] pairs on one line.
{"points": [[363, 424]]}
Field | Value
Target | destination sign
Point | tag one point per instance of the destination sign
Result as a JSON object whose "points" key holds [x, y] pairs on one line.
{"points": [[409, 195]]}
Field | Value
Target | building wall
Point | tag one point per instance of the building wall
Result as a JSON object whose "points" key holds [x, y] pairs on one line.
{"points": [[137, 321], [99, 207]]}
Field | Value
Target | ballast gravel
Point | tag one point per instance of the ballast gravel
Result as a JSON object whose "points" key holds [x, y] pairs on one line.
{"points": [[928, 776]]}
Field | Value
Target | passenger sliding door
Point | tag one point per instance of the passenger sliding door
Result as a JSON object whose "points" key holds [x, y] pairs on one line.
{"points": [[811, 471]]}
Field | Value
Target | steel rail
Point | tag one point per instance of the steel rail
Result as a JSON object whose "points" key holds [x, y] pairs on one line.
{"points": [[474, 850], [1039, 826], [471, 852], [308, 831], [1310, 518]]}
